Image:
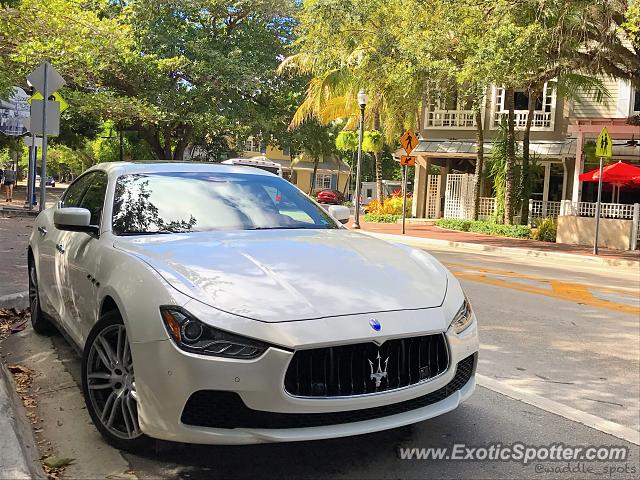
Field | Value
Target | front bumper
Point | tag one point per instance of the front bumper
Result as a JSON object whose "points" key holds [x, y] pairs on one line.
{"points": [[167, 377]]}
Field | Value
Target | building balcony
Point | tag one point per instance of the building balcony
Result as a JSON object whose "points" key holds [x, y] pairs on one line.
{"points": [[450, 119], [542, 121]]}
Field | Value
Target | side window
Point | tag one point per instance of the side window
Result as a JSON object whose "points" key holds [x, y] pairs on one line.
{"points": [[93, 199], [74, 193]]}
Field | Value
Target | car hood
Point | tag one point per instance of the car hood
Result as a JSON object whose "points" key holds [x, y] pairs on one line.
{"points": [[285, 275]]}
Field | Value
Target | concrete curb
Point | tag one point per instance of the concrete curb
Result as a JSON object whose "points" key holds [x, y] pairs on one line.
{"points": [[19, 456], [19, 300], [507, 251]]}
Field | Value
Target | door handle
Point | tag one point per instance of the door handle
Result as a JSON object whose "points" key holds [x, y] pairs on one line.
{"points": [[60, 247], [42, 230]]}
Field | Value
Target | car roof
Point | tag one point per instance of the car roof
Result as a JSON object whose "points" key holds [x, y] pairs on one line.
{"points": [[124, 168]]}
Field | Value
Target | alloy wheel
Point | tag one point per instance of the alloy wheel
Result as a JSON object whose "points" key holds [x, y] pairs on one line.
{"points": [[33, 289], [111, 383]]}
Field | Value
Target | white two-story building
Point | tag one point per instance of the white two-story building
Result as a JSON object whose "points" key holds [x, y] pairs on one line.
{"points": [[563, 137]]}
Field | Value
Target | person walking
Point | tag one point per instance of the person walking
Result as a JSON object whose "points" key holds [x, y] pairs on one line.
{"points": [[9, 178]]}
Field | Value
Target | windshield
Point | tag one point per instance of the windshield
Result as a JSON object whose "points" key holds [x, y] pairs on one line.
{"points": [[201, 201]]}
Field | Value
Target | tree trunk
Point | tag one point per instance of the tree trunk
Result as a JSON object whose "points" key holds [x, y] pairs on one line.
{"points": [[524, 174], [479, 163], [346, 185], [511, 158], [313, 175], [378, 161]]}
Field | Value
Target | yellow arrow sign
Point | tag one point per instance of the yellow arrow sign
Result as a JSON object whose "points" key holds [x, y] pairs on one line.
{"points": [[604, 144], [56, 97]]}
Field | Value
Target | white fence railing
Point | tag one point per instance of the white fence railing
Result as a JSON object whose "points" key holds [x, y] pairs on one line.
{"points": [[540, 209], [540, 119], [607, 210], [450, 119]]}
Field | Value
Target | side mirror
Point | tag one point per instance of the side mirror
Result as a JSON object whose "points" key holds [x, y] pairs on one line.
{"points": [[74, 220], [340, 213]]}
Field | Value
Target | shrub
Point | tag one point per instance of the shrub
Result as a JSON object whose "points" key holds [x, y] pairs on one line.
{"points": [[391, 206], [453, 224], [546, 230], [487, 228], [381, 217]]}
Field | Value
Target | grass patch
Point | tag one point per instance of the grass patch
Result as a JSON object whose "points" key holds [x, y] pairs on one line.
{"points": [[381, 217]]}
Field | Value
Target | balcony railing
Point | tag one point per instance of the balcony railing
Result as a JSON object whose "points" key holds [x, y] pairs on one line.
{"points": [[463, 119], [541, 120]]}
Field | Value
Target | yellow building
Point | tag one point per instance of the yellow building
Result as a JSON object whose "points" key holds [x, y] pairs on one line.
{"points": [[332, 172]]}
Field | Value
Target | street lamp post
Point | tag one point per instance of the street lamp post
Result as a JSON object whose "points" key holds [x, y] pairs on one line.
{"points": [[362, 101]]}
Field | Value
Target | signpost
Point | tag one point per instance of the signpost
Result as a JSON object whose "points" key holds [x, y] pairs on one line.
{"points": [[409, 142], [604, 148], [46, 80]]}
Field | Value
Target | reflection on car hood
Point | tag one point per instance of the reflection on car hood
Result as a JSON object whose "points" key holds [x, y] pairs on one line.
{"points": [[284, 275]]}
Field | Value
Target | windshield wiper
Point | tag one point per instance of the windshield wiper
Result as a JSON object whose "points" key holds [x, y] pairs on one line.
{"points": [[282, 227], [132, 233]]}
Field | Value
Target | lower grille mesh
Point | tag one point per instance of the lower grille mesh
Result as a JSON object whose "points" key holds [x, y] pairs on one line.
{"points": [[217, 409]]}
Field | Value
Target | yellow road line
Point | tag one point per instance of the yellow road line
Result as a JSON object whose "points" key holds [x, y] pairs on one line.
{"points": [[572, 292]]}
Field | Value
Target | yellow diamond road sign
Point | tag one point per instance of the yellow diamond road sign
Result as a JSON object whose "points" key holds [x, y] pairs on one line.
{"points": [[604, 144], [409, 141], [56, 97]]}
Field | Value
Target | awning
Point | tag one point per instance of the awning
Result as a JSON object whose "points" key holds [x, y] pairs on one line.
{"points": [[555, 149]]}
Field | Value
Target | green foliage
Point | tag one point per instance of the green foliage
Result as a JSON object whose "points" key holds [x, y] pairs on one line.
{"points": [[372, 142], [382, 217], [487, 228], [546, 230], [347, 141]]}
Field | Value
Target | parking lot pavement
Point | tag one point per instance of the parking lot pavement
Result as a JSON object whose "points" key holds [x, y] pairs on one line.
{"points": [[487, 418]]}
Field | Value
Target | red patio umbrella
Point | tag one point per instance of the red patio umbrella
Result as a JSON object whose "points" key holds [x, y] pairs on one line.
{"points": [[619, 173]]}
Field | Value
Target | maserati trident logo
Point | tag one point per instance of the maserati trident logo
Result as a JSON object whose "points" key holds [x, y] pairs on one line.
{"points": [[379, 374], [375, 324]]}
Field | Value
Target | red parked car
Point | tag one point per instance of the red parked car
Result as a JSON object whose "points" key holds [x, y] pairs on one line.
{"points": [[330, 196]]}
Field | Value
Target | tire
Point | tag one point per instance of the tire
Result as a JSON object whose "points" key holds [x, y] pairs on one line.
{"points": [[40, 324], [108, 385]]}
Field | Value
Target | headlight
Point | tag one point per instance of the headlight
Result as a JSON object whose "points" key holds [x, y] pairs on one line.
{"points": [[191, 335], [463, 318]]}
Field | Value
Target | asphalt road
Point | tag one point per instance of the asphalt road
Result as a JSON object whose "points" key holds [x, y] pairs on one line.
{"points": [[562, 339]]}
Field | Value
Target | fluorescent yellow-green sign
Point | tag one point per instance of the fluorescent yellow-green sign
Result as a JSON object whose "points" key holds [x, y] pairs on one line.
{"points": [[56, 97], [604, 144]]}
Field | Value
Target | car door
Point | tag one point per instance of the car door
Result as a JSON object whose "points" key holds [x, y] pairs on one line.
{"points": [[51, 272], [82, 252]]}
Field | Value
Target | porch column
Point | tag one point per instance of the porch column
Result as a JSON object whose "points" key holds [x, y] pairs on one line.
{"points": [[444, 171], [564, 179], [545, 188], [428, 196], [419, 188], [578, 170]]}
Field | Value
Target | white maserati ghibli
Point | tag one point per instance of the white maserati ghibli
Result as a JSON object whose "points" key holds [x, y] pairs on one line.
{"points": [[219, 304]]}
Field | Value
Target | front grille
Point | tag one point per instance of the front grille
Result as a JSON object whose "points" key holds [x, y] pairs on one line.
{"points": [[363, 368], [216, 409]]}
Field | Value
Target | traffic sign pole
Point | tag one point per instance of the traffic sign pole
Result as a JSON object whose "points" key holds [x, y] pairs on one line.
{"points": [[404, 198], [595, 243], [43, 169]]}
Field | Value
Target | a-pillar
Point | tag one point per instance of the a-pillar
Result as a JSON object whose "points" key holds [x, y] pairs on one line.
{"points": [[576, 192]]}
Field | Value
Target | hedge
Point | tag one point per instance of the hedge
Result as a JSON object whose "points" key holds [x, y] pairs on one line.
{"points": [[488, 228], [381, 218]]}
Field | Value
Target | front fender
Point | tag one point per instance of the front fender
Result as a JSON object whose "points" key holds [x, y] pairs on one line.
{"points": [[138, 291]]}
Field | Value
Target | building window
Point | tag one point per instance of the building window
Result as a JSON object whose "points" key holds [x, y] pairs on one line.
{"points": [[323, 181], [636, 102], [249, 144]]}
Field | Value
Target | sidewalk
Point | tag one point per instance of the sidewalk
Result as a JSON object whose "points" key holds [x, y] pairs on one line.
{"points": [[476, 241], [14, 236]]}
